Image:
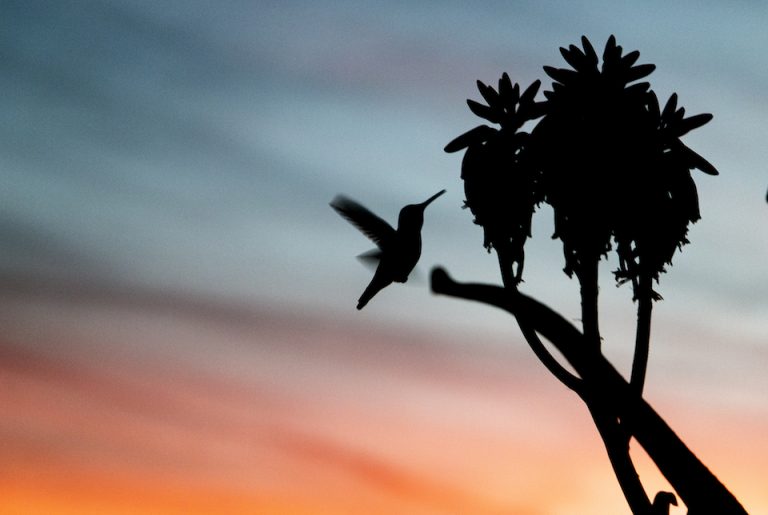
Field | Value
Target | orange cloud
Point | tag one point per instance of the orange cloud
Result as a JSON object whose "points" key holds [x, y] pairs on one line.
{"points": [[115, 410]]}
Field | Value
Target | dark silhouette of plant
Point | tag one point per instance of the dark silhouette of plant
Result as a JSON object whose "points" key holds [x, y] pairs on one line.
{"points": [[498, 184], [616, 173], [610, 162], [661, 503]]}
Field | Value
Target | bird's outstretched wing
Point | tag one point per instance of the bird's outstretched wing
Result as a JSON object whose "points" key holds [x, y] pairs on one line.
{"points": [[379, 231], [371, 259]]}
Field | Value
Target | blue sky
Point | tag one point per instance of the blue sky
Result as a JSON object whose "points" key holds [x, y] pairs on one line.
{"points": [[194, 146]]}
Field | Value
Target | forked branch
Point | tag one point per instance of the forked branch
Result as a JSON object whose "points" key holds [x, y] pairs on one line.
{"points": [[695, 484]]}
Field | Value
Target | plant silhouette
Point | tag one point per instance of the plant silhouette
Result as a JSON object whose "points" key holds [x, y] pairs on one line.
{"points": [[662, 502], [609, 161]]}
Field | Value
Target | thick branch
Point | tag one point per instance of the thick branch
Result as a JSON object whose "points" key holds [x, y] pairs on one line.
{"points": [[613, 436], [698, 488], [617, 448], [549, 361], [538, 348]]}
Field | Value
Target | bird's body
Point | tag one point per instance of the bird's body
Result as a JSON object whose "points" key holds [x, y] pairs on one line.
{"points": [[398, 250]]}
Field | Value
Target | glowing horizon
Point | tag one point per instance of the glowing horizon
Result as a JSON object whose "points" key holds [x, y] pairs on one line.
{"points": [[311, 417]]}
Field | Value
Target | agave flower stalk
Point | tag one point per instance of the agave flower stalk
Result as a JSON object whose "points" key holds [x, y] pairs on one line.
{"points": [[612, 166]]}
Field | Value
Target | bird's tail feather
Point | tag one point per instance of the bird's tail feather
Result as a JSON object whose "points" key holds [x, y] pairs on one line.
{"points": [[366, 296], [376, 285]]}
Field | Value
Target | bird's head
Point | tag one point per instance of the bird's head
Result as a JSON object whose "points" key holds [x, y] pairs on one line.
{"points": [[412, 215]]}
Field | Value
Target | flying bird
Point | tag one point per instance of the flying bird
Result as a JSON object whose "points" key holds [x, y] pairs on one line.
{"points": [[398, 250]]}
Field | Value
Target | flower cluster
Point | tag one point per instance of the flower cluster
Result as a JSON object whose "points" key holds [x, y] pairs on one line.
{"points": [[607, 159], [498, 184]]}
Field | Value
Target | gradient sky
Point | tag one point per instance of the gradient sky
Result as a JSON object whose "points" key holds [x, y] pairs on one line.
{"points": [[177, 322]]}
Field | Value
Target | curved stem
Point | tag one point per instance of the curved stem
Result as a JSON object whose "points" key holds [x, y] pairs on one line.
{"points": [[695, 484], [612, 434], [537, 346], [555, 368], [618, 453]]}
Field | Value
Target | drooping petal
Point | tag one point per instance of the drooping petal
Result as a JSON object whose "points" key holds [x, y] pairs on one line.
{"points": [[472, 137], [698, 162], [630, 59], [489, 94], [484, 111], [561, 75], [639, 71], [694, 122], [653, 106], [670, 107], [505, 87], [611, 53], [574, 57], [530, 92], [589, 52]]}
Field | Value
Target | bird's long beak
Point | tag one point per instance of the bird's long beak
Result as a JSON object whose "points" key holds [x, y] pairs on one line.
{"points": [[430, 199]]}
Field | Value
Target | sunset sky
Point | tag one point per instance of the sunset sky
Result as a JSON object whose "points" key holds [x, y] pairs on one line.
{"points": [[178, 331]]}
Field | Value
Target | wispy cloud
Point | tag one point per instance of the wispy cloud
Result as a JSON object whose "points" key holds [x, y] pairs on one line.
{"points": [[175, 288]]}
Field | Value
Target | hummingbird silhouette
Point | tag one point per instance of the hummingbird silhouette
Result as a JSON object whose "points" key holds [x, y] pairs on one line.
{"points": [[398, 250]]}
